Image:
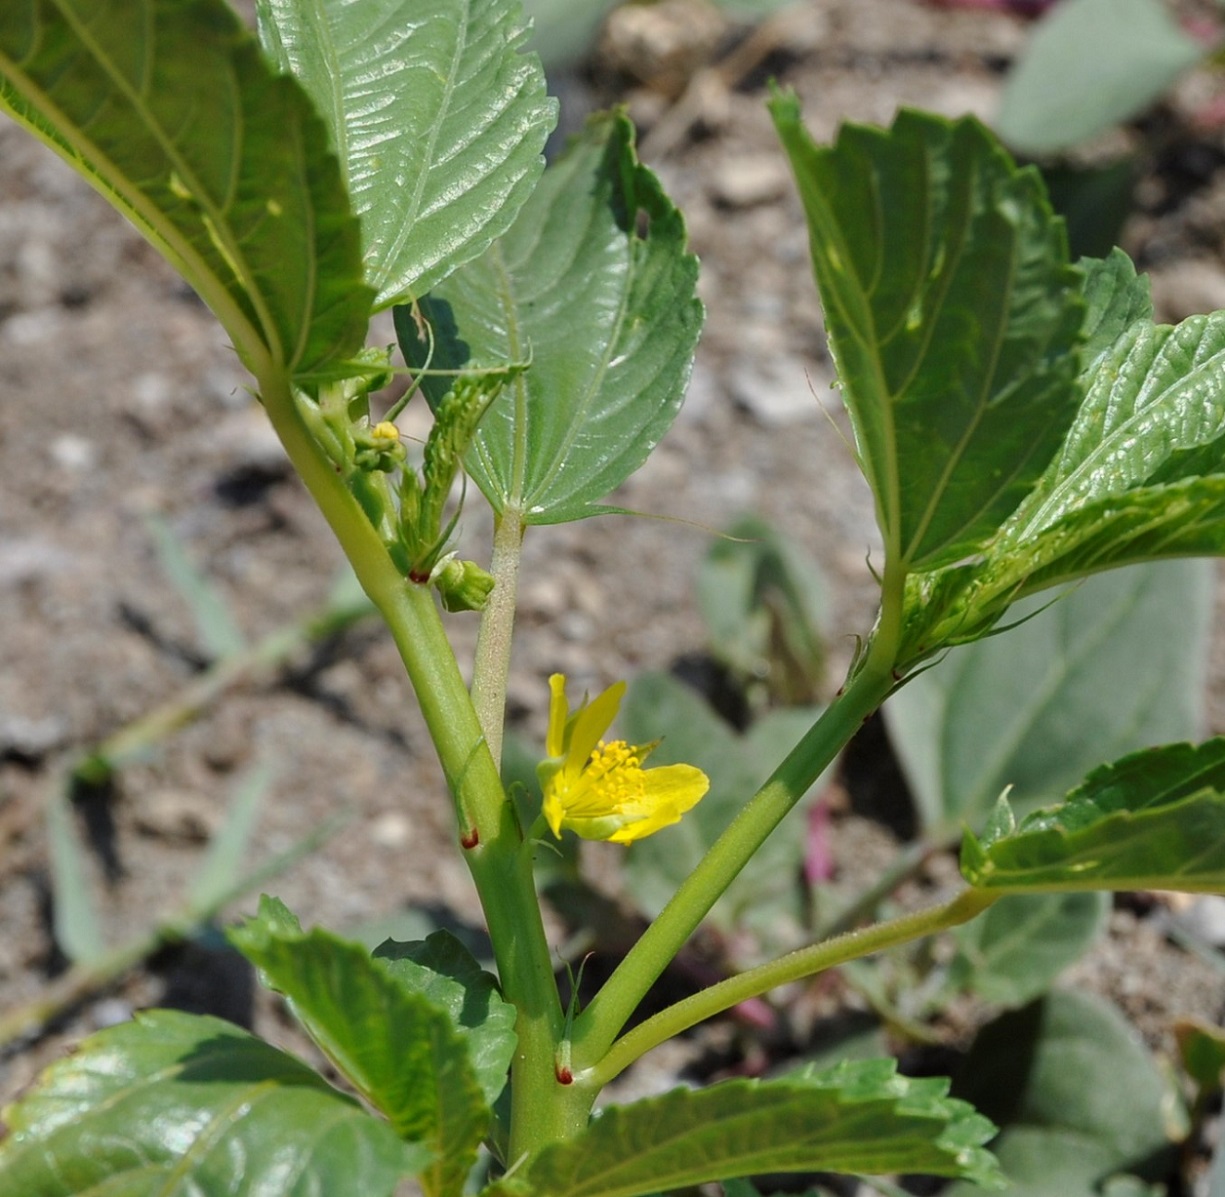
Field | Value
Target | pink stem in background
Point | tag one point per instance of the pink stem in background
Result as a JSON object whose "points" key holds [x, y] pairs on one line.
{"points": [[818, 852], [755, 1012], [1019, 8]]}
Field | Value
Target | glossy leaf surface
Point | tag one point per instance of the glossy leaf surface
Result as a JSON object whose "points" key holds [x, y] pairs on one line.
{"points": [[171, 112], [398, 1048], [147, 1109], [437, 117], [593, 287], [1140, 476], [1153, 820], [859, 1117], [953, 316]]}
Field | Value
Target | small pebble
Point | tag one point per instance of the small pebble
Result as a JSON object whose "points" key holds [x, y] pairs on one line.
{"points": [[746, 180], [110, 1012], [31, 739], [391, 830], [177, 817]]}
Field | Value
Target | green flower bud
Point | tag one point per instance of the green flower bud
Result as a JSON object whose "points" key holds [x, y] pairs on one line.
{"points": [[462, 585], [378, 448]]}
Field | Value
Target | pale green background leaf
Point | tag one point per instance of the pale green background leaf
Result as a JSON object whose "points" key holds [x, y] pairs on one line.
{"points": [[1216, 1173], [78, 930], [216, 627], [146, 1109], [592, 285], [764, 603], [859, 1117], [1114, 665], [1014, 951], [221, 870], [953, 316], [437, 116], [1054, 1076], [1089, 65], [171, 112]]}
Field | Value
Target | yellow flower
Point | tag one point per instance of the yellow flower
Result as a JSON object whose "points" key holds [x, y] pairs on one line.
{"points": [[599, 789]]}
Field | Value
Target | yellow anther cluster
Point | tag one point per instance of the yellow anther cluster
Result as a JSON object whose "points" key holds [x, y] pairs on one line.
{"points": [[615, 772]]}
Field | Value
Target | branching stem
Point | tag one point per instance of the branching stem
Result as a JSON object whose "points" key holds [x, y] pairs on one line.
{"points": [[598, 1026], [806, 962]]}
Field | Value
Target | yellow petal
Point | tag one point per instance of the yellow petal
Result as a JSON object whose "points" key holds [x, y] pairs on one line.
{"points": [[669, 791], [554, 809], [559, 712], [590, 724]]}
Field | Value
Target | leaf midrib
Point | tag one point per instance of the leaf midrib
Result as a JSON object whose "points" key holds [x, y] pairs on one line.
{"points": [[233, 252], [396, 245]]}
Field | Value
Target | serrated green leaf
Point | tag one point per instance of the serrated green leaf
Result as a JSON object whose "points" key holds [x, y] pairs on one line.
{"points": [[1077, 1095], [437, 117], [397, 1047], [1140, 477], [443, 971], [768, 896], [1152, 523], [858, 1117], [593, 287], [150, 1109], [1116, 297], [1089, 65], [171, 112], [1114, 665], [953, 316], [1014, 950], [1153, 820]]}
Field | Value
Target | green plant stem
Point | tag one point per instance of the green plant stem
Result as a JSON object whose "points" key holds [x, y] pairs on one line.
{"points": [[601, 1022], [492, 666], [542, 1109], [805, 962]]}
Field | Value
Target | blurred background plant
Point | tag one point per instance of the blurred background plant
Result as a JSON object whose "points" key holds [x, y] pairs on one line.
{"points": [[77, 806]]}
